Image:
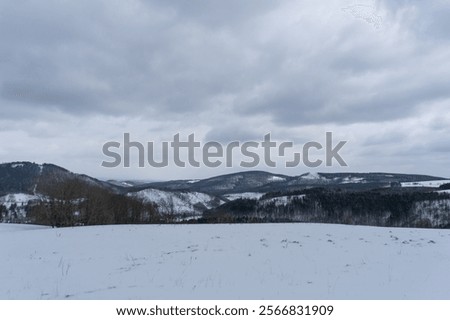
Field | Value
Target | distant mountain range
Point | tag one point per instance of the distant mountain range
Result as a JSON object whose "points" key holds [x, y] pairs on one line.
{"points": [[27, 177], [261, 181], [25, 184]]}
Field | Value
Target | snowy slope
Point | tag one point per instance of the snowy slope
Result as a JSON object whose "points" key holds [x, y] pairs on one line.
{"points": [[178, 202], [252, 261], [20, 199], [244, 195], [435, 212], [311, 176], [353, 180], [430, 184], [16, 206]]}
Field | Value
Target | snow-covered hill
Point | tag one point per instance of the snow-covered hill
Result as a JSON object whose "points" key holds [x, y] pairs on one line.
{"points": [[21, 182], [32, 178], [189, 204], [252, 261], [262, 182]]}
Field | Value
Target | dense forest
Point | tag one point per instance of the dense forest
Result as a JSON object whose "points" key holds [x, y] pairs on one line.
{"points": [[73, 202], [376, 207]]}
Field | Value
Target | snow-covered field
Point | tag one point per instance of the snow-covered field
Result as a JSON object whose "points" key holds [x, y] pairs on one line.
{"points": [[251, 261]]}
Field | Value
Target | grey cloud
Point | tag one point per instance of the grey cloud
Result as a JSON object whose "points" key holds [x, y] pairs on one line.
{"points": [[155, 63], [234, 132], [165, 59], [218, 14], [48, 95], [427, 19], [237, 69]]}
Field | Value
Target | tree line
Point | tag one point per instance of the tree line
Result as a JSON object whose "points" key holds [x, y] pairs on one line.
{"points": [[376, 208], [73, 202]]}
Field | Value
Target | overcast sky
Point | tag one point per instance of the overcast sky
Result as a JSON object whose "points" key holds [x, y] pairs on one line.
{"points": [[76, 74]]}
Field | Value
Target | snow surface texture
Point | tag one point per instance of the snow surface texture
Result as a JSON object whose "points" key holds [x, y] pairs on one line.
{"points": [[252, 261]]}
